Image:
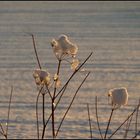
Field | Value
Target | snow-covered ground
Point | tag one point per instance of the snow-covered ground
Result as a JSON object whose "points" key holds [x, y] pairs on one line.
{"points": [[110, 29]]}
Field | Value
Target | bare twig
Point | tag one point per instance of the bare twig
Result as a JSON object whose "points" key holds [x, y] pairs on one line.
{"points": [[52, 104], [125, 134], [90, 128], [39, 64], [37, 111], [36, 51], [126, 129], [124, 121], [112, 110], [109, 121], [49, 91], [138, 133], [65, 86], [58, 70], [96, 108], [43, 108], [44, 125], [128, 125], [43, 111], [2, 133], [53, 100], [71, 104], [53, 127], [2, 130], [136, 123], [9, 107]]}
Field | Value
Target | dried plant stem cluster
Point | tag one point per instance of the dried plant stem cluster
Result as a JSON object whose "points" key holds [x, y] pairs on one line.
{"points": [[62, 49], [127, 121], [118, 96], [50, 86]]}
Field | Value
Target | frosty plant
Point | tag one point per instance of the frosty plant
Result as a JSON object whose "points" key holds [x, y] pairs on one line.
{"points": [[47, 83], [4, 132], [119, 97]]}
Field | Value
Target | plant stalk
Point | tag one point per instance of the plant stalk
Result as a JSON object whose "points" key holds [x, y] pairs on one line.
{"points": [[90, 128], [109, 121]]}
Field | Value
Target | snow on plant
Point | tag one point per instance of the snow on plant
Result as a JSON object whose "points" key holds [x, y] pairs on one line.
{"points": [[64, 50], [119, 96]]}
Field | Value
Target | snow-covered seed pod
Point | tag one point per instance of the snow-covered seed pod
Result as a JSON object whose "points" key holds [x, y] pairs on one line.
{"points": [[63, 47], [119, 96]]}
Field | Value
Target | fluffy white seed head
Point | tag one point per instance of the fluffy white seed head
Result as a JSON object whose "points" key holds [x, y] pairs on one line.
{"points": [[62, 46], [119, 96]]}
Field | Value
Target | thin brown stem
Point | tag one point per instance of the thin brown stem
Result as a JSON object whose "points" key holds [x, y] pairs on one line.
{"points": [[53, 101], [136, 123], [58, 70], [65, 86], [9, 108], [36, 51], [43, 112], [37, 111], [53, 127], [124, 121], [96, 108], [125, 134], [109, 121], [44, 125], [71, 103], [3, 133], [138, 133], [128, 126], [90, 128], [43, 108], [49, 91]]}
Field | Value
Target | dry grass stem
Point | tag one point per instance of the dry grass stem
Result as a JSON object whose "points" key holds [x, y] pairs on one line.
{"points": [[109, 121], [65, 86], [89, 119], [9, 108], [128, 126], [2, 130], [37, 111], [97, 118], [39, 64], [138, 133], [71, 104], [136, 123], [124, 121]]}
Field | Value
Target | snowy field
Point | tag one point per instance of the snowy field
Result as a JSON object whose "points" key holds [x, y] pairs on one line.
{"points": [[111, 30]]}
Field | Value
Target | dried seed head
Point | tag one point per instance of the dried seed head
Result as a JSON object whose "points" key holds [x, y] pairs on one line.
{"points": [[38, 81], [63, 47], [74, 64], [119, 96], [47, 79], [41, 77]]}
